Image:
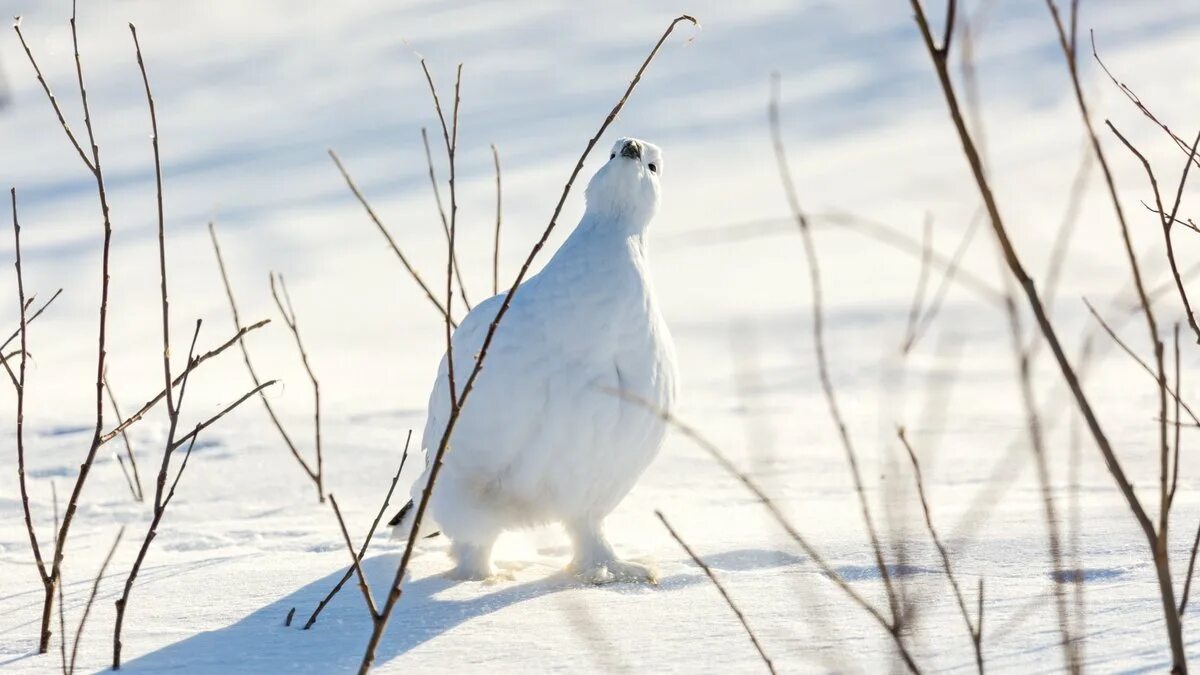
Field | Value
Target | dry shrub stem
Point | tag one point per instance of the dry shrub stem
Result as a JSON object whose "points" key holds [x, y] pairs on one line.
{"points": [[362, 551], [974, 630], [134, 480], [722, 460], [818, 327], [162, 494], [437, 197], [496, 241], [1013, 261], [87, 608], [289, 318], [395, 591], [94, 167], [412, 272], [720, 589], [314, 474]]}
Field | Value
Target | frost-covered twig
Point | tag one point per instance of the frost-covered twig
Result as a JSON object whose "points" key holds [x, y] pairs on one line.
{"points": [[395, 590]]}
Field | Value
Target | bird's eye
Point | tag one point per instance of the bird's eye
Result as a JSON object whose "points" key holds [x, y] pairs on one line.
{"points": [[612, 155], [654, 168]]}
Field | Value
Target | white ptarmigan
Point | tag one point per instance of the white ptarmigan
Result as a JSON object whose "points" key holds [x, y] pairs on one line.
{"points": [[558, 427]]}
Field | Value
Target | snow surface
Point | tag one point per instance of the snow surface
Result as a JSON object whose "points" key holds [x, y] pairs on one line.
{"points": [[250, 95]]}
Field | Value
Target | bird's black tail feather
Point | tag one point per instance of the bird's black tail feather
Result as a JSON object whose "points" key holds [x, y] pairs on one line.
{"points": [[400, 516]]}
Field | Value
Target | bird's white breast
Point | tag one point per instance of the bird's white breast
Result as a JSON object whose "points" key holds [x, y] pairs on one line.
{"points": [[547, 430]]}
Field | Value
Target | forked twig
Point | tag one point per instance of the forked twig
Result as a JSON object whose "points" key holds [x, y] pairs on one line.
{"points": [[362, 551], [289, 318], [312, 473]]}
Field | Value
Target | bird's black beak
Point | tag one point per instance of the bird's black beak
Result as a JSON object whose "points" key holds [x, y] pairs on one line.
{"points": [[632, 149]]}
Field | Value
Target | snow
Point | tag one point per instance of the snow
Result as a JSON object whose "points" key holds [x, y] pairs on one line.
{"points": [[249, 97]]}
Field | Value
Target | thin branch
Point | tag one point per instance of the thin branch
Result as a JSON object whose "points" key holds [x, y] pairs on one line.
{"points": [[720, 589], [362, 551], [16, 333], [237, 322], [1167, 220], [87, 608], [395, 591], [437, 197], [148, 405], [975, 632], [134, 480], [1174, 393], [20, 387], [722, 460], [496, 242], [412, 272], [918, 300], [224, 411], [50, 96], [1137, 102], [289, 318], [356, 564], [818, 329]]}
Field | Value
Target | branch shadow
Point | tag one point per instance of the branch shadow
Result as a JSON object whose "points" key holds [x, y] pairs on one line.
{"points": [[261, 643]]}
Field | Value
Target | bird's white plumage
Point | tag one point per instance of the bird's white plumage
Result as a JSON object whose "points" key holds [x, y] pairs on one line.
{"points": [[546, 435]]}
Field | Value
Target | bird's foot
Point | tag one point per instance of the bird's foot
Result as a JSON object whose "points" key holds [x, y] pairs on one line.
{"points": [[613, 571], [469, 572]]}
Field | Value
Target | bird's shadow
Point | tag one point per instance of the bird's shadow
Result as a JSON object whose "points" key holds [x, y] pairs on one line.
{"points": [[260, 642]]}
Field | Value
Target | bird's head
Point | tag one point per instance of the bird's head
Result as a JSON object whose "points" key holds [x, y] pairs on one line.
{"points": [[627, 186]]}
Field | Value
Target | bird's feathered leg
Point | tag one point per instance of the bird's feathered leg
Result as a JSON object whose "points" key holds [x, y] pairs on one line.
{"points": [[596, 562]]}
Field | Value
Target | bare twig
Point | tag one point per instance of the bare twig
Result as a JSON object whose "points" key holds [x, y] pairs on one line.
{"points": [[496, 242], [818, 328], [94, 167], [974, 630], [134, 480], [722, 460], [362, 551], [1137, 102], [148, 405], [918, 301], [356, 564], [1167, 219], [437, 197], [395, 591], [312, 473], [87, 608], [1174, 393], [720, 589], [412, 272], [289, 318], [1017, 269], [48, 581]]}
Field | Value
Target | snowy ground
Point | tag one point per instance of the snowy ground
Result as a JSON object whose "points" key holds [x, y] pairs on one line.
{"points": [[250, 95]]}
